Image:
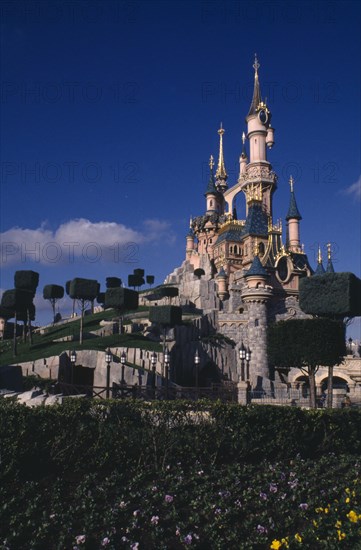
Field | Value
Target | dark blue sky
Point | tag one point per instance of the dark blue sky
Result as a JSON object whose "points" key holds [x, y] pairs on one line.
{"points": [[110, 111]]}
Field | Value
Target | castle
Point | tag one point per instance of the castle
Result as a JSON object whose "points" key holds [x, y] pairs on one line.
{"points": [[242, 269]]}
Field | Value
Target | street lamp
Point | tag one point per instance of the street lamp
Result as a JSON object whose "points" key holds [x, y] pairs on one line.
{"points": [[248, 359], [108, 360], [166, 362], [123, 359], [153, 360], [72, 361], [242, 356], [197, 360]]}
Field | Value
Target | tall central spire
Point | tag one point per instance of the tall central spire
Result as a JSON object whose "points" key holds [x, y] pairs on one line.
{"points": [[256, 99], [221, 174]]}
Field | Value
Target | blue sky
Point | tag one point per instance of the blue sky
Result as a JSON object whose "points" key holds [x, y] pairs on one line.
{"points": [[110, 112]]}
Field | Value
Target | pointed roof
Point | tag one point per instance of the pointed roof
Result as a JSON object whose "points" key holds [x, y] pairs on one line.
{"points": [[320, 270], [257, 220], [221, 273], [329, 267], [221, 173], [256, 268], [256, 99], [211, 188], [293, 212]]}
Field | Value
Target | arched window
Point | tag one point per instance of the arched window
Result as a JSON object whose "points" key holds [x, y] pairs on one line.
{"points": [[231, 249], [261, 249], [211, 203], [235, 249], [256, 322]]}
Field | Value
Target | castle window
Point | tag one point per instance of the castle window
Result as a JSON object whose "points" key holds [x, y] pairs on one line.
{"points": [[210, 241], [231, 249], [256, 323], [261, 248], [211, 203], [236, 249]]}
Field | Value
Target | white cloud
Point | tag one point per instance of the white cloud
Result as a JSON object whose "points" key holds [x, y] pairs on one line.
{"points": [[354, 189], [78, 240]]}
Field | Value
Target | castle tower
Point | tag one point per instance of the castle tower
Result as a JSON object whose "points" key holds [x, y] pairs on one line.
{"points": [[222, 284], [190, 244], [243, 158], [293, 219], [221, 174], [257, 295]]}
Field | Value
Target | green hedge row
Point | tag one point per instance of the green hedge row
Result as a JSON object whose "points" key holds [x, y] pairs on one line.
{"points": [[86, 436]]}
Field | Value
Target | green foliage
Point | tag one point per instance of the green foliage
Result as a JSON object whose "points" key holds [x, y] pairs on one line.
{"points": [[165, 475], [167, 291], [331, 295], [139, 272], [53, 292], [26, 280], [121, 298], [23, 314], [101, 298], [135, 280], [83, 289], [306, 343], [113, 282], [150, 279], [16, 299], [166, 315], [67, 287]]}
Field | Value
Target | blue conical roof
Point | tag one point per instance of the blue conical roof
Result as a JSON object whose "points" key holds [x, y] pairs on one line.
{"points": [[256, 268], [211, 188], [320, 270], [221, 273], [329, 267], [293, 212]]}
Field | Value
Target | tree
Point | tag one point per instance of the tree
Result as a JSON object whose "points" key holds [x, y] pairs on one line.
{"points": [[150, 280], [67, 290], [17, 301], [84, 291], [121, 299], [53, 293], [113, 282], [306, 344], [27, 280], [331, 295], [135, 281], [101, 298]]}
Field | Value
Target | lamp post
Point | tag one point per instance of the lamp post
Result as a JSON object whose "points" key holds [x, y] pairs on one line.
{"points": [[166, 362], [153, 360], [242, 356], [350, 345], [72, 361], [123, 359], [108, 360], [197, 361], [248, 359]]}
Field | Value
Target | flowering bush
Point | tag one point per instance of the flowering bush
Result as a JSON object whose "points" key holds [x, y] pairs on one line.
{"points": [[103, 475]]}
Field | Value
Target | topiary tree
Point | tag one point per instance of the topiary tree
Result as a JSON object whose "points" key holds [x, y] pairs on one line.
{"points": [[101, 298], [16, 302], [135, 281], [150, 280], [306, 344], [67, 290], [53, 293], [121, 299], [331, 295], [84, 291], [27, 280], [113, 282]]}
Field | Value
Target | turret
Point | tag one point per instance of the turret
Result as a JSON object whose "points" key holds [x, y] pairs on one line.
{"points": [[221, 174], [211, 193], [222, 284], [243, 158], [320, 270], [329, 267], [293, 219], [190, 243], [260, 132]]}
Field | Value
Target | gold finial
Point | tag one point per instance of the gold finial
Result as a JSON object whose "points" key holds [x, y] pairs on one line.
{"points": [[319, 255], [243, 138], [254, 192], [291, 181], [190, 222], [256, 65], [211, 162], [329, 251], [221, 170]]}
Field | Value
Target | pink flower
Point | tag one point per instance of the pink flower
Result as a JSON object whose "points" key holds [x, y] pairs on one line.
{"points": [[168, 498], [154, 520], [136, 513], [135, 546], [188, 539], [80, 539], [105, 541]]}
